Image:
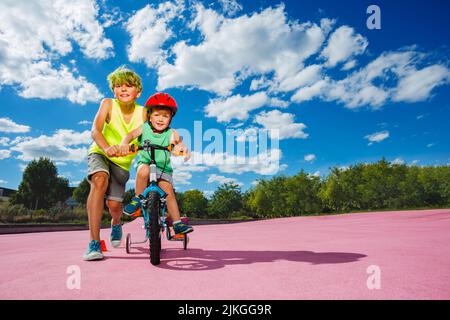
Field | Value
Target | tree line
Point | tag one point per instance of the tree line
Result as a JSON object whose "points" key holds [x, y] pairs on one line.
{"points": [[375, 186]]}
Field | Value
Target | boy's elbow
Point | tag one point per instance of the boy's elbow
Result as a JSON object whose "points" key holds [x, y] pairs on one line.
{"points": [[94, 133]]}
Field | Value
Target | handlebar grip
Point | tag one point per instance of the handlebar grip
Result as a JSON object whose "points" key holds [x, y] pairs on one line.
{"points": [[171, 147]]}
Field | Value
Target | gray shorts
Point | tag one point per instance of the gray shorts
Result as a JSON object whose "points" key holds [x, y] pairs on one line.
{"points": [[159, 174], [118, 176]]}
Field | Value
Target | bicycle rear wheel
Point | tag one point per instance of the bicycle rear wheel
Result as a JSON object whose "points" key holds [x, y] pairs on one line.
{"points": [[155, 235]]}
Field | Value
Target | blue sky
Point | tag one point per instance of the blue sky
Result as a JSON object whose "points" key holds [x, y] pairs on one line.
{"points": [[337, 92]]}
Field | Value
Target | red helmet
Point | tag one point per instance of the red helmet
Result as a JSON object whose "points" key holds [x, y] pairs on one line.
{"points": [[162, 99]]}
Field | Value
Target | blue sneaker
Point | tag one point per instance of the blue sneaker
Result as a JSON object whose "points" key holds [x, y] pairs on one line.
{"points": [[132, 207], [94, 251], [116, 235], [180, 227]]}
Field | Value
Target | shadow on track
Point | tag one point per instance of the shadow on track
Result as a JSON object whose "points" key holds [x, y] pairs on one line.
{"points": [[198, 259]]}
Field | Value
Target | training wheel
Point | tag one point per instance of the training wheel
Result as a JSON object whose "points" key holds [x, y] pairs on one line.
{"points": [[185, 241], [128, 243]]}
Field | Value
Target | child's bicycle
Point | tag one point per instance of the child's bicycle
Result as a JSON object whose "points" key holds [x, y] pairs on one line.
{"points": [[153, 209]]}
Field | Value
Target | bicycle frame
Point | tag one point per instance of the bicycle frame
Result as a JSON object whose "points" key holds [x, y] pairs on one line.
{"points": [[145, 198]]}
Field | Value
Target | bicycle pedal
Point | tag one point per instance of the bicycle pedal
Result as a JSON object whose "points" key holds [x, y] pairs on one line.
{"points": [[137, 214]]}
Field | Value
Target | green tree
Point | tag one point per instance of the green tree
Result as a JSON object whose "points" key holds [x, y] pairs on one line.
{"points": [[194, 204], [179, 196], [81, 193], [266, 198], [435, 185], [61, 190], [39, 181], [226, 200], [300, 195]]}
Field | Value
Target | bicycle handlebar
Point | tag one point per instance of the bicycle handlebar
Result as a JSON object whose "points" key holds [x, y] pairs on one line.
{"points": [[148, 146]]}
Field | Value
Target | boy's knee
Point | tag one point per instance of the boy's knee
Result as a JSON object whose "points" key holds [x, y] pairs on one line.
{"points": [[99, 180], [114, 205], [143, 171], [168, 188]]}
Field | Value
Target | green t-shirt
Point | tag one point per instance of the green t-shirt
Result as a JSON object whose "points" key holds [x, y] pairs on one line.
{"points": [[162, 158]]}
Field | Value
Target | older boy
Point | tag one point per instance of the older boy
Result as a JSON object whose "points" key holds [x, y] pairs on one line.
{"points": [[108, 168]]}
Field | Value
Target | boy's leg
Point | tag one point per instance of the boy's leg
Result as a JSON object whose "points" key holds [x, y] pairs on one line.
{"points": [[94, 206], [171, 201], [115, 209], [142, 176], [172, 208], [98, 177], [115, 193]]}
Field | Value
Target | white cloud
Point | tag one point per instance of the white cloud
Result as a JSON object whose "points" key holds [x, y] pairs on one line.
{"points": [[310, 157], [35, 35], [309, 92], [342, 45], [235, 107], [377, 136], [85, 122], [222, 179], [4, 141], [181, 177], [349, 65], [398, 161], [264, 163], [64, 146], [9, 126], [359, 88], [5, 154], [234, 49], [63, 84], [283, 123], [182, 173], [111, 15], [149, 30], [230, 7], [3, 181], [417, 85], [260, 83], [305, 77], [249, 134]]}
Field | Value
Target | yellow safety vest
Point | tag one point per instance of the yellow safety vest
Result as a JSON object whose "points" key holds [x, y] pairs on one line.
{"points": [[116, 130]]}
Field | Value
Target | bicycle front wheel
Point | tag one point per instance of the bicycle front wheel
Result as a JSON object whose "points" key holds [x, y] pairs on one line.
{"points": [[154, 209]]}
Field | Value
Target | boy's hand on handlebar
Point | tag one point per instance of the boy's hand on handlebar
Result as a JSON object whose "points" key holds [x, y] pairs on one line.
{"points": [[181, 150], [112, 151], [124, 150]]}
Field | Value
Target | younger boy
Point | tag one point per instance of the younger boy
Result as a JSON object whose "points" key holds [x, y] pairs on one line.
{"points": [[161, 108]]}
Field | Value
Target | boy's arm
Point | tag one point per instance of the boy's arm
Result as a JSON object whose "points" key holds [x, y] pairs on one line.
{"points": [[124, 144], [133, 134], [102, 116], [180, 147], [144, 114]]}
